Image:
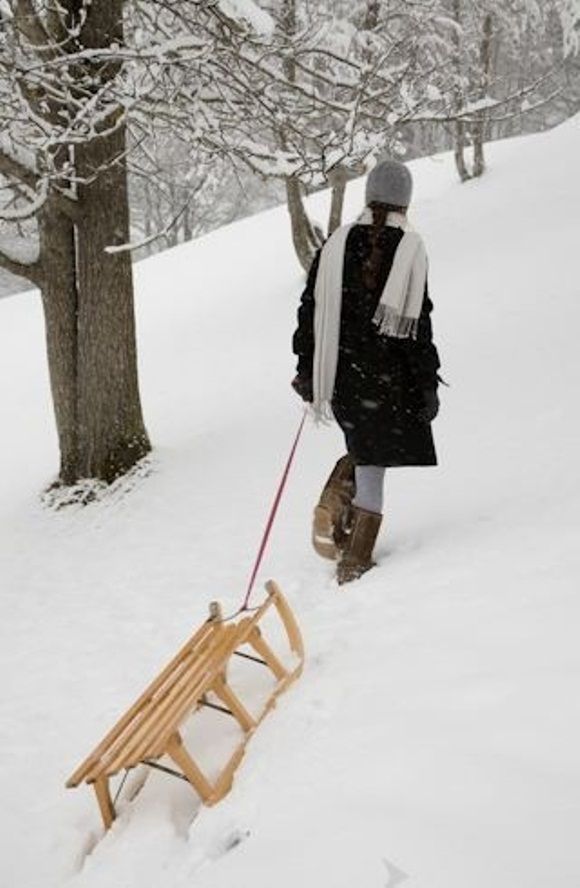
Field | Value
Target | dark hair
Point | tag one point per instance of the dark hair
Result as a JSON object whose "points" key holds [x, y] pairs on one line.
{"points": [[372, 266]]}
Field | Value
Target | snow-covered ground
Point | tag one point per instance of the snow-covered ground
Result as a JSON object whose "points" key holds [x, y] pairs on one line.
{"points": [[433, 739]]}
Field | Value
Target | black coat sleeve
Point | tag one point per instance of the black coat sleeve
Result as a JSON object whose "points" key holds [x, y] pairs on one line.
{"points": [[303, 339], [421, 352]]}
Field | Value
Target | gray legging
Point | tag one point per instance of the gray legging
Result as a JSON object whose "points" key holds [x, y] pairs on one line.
{"points": [[369, 482]]}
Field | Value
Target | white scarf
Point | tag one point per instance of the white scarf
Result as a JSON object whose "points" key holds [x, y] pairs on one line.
{"points": [[397, 313]]}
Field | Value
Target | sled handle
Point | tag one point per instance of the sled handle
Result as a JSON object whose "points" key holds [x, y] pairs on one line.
{"points": [[288, 619]]}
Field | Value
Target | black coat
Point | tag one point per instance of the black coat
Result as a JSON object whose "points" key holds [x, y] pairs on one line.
{"points": [[380, 381]]}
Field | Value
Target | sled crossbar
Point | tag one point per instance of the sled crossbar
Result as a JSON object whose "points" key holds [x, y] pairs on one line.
{"points": [[150, 729]]}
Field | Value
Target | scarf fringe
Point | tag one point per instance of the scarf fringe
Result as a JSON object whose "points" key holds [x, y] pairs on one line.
{"points": [[390, 323]]}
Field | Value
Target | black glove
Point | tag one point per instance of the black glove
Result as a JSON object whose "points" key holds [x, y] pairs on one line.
{"points": [[430, 407], [303, 386]]}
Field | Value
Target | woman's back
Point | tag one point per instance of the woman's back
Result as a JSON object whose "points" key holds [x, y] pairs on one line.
{"points": [[366, 354], [359, 338]]}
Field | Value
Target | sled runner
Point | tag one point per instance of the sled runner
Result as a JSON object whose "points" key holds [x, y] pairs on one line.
{"points": [[151, 728]]}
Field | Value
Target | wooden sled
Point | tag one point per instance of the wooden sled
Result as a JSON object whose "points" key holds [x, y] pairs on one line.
{"points": [[151, 727]]}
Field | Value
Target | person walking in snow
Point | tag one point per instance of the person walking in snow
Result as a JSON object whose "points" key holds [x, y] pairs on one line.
{"points": [[366, 357]]}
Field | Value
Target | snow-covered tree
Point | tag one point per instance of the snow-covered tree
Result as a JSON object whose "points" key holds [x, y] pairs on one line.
{"points": [[348, 77], [81, 85], [302, 94], [505, 63]]}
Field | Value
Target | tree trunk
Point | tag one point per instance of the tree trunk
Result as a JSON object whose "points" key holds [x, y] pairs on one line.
{"points": [[60, 304], [87, 294], [480, 127], [112, 435], [111, 432], [458, 126], [188, 224], [289, 24], [479, 151], [304, 237], [338, 179], [459, 150]]}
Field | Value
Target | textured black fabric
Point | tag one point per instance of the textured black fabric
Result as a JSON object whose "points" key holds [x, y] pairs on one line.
{"points": [[431, 408], [380, 382], [302, 385]]}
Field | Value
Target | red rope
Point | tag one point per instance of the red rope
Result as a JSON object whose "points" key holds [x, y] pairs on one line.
{"points": [[272, 515]]}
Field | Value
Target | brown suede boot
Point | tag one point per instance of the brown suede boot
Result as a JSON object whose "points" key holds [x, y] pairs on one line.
{"points": [[357, 556], [331, 515]]}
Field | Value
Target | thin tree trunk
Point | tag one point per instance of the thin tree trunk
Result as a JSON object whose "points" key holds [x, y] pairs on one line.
{"points": [[459, 150], [338, 179], [480, 134], [458, 126], [148, 227], [479, 151], [187, 224], [289, 23], [304, 237]]}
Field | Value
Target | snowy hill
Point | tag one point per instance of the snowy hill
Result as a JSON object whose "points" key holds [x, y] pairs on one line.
{"points": [[434, 736]]}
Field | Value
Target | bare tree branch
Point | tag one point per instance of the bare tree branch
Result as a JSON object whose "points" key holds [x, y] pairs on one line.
{"points": [[30, 271]]}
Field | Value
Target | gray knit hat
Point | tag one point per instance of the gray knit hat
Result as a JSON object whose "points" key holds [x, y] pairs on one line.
{"points": [[390, 182]]}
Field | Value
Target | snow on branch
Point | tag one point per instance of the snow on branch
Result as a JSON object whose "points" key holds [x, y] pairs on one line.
{"points": [[293, 93], [31, 271], [35, 200], [250, 12]]}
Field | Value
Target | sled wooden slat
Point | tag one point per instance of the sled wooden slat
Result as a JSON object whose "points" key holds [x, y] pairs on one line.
{"points": [[265, 651], [123, 723], [118, 753], [151, 728], [170, 709], [163, 729]]}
